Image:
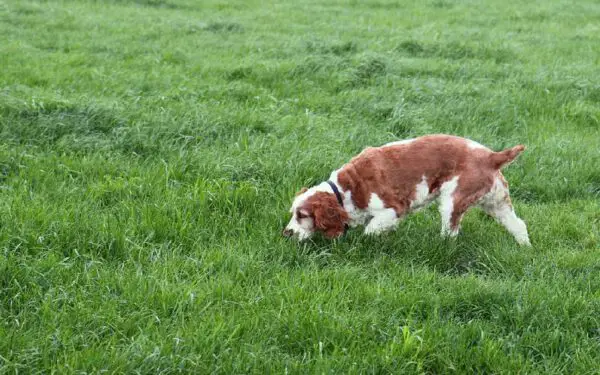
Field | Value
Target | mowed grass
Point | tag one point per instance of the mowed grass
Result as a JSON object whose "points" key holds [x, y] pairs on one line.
{"points": [[149, 152]]}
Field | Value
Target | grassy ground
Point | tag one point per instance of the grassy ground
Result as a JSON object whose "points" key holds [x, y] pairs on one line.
{"points": [[149, 151]]}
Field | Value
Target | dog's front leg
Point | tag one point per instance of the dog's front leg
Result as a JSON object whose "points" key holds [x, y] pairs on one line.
{"points": [[382, 221]]}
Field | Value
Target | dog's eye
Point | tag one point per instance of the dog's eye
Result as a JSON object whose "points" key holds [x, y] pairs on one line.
{"points": [[300, 215]]}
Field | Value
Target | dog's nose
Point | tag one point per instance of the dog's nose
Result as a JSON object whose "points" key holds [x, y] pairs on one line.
{"points": [[288, 232]]}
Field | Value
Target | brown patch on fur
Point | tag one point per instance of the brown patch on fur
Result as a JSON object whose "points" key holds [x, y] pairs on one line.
{"points": [[392, 172], [329, 217], [465, 199], [472, 185]]}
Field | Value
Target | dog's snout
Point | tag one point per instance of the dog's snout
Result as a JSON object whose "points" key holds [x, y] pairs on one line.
{"points": [[288, 232]]}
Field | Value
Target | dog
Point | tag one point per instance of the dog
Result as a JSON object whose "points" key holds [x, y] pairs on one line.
{"points": [[381, 185]]}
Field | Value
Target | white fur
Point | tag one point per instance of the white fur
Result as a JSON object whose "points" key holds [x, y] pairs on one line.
{"points": [[383, 219], [362, 216], [496, 204], [422, 196], [473, 145], [375, 203], [447, 206], [357, 217], [303, 227], [402, 142]]}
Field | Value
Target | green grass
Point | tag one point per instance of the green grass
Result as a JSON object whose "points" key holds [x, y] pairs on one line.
{"points": [[150, 149]]}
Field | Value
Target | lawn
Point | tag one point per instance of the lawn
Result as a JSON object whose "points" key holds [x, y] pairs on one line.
{"points": [[150, 150]]}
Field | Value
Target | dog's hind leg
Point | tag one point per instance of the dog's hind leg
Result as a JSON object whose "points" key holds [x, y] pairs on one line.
{"points": [[497, 204], [458, 195]]}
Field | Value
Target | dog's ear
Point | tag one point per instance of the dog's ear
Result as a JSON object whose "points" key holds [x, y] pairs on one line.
{"points": [[329, 216], [302, 191]]}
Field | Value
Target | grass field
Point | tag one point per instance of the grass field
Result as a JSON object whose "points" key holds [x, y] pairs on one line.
{"points": [[149, 152]]}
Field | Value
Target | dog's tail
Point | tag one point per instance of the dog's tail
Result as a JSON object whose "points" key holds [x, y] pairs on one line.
{"points": [[502, 158]]}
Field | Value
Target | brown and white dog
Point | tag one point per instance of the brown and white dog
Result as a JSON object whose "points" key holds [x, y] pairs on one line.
{"points": [[382, 184]]}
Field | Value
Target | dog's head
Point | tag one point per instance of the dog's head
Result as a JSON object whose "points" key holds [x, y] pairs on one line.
{"points": [[315, 210]]}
